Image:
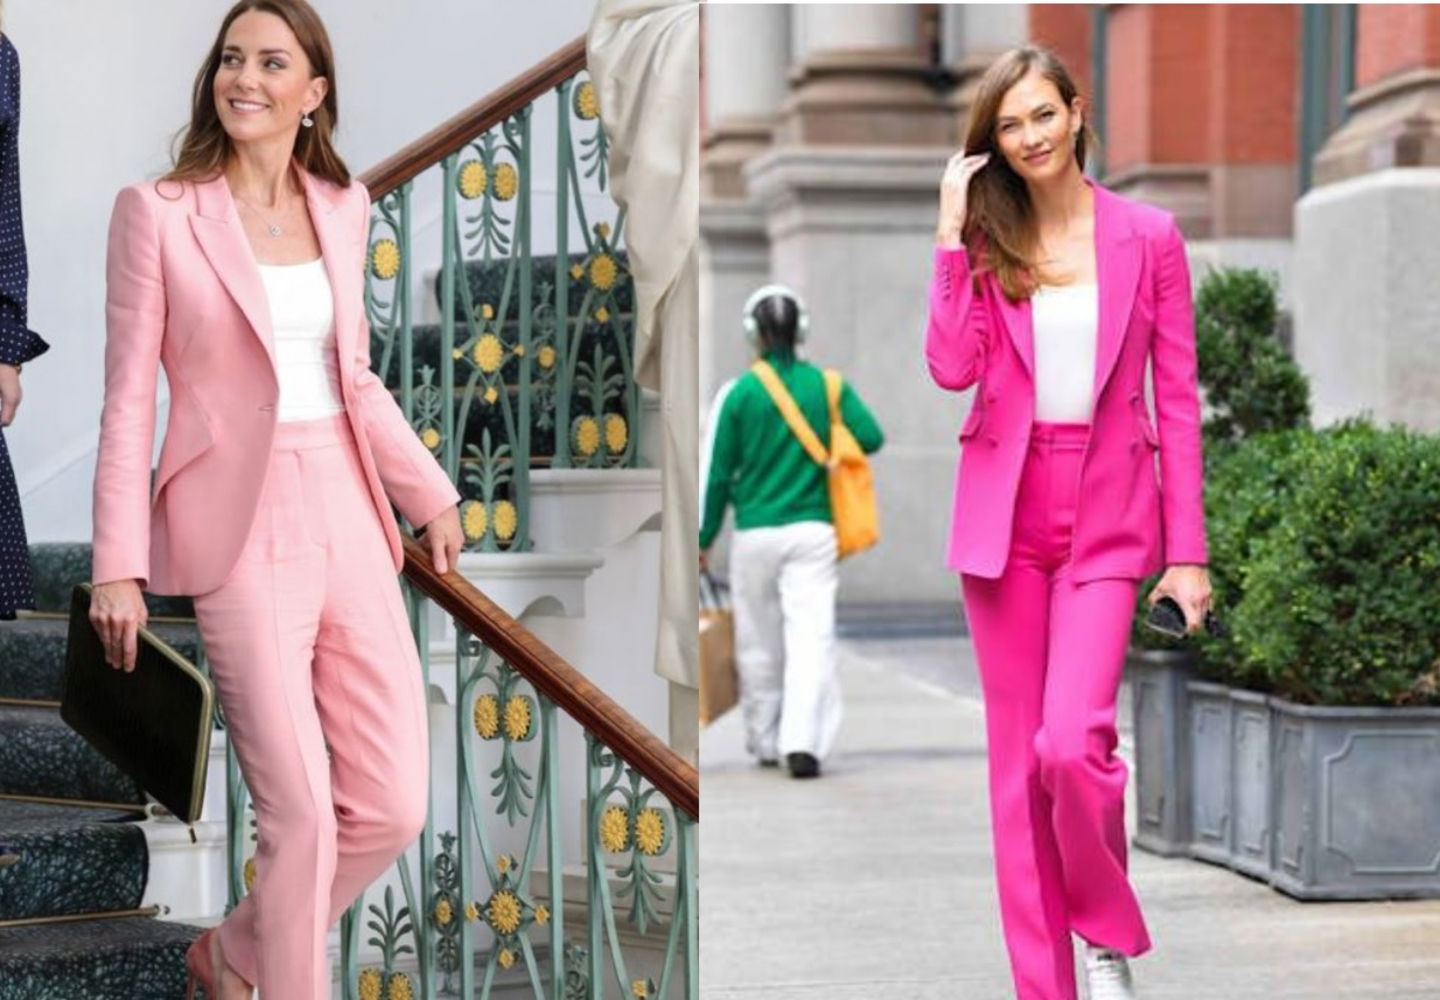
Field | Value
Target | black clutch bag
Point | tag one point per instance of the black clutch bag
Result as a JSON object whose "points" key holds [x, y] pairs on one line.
{"points": [[154, 723]]}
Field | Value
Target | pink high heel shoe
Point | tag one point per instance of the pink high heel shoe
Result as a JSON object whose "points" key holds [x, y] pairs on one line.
{"points": [[200, 969]]}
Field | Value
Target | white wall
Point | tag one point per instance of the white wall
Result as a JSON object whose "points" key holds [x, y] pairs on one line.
{"points": [[105, 86]]}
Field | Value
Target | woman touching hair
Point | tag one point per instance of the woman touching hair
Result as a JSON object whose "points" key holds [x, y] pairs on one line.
{"points": [[1051, 294], [241, 271]]}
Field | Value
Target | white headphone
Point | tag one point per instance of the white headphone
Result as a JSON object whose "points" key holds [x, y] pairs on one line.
{"points": [[752, 326]]}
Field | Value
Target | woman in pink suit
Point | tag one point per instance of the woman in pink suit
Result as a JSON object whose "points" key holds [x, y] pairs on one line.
{"points": [[1050, 295], [241, 271]]}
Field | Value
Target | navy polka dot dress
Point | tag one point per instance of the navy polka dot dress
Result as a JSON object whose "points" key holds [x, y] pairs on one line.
{"points": [[18, 343]]}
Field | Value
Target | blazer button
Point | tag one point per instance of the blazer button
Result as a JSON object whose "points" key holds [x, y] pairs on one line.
{"points": [[989, 397]]}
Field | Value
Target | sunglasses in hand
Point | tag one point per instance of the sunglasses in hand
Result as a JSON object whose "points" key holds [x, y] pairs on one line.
{"points": [[1166, 617]]}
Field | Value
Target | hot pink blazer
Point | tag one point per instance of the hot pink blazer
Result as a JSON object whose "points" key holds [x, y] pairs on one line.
{"points": [[1128, 524], [183, 290]]}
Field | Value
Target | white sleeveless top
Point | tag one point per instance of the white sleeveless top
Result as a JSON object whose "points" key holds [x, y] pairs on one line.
{"points": [[1066, 320], [302, 312]]}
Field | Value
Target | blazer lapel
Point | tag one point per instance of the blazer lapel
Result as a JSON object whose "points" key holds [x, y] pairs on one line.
{"points": [[221, 236], [1117, 265], [1019, 320], [337, 246]]}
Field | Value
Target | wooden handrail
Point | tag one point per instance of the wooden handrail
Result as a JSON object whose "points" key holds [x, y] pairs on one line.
{"points": [[477, 119], [567, 687]]}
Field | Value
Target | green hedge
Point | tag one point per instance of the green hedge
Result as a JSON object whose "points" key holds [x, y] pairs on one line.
{"points": [[1338, 600]]}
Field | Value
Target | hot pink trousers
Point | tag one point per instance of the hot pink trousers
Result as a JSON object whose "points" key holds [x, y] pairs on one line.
{"points": [[309, 645], [1051, 653]]}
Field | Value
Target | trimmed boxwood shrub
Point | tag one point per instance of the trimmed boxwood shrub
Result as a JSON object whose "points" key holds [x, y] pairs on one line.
{"points": [[1338, 600]]}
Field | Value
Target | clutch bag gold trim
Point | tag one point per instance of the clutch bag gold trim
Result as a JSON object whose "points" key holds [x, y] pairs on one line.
{"points": [[154, 724]]}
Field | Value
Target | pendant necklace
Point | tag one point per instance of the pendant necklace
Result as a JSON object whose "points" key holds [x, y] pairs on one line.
{"points": [[271, 228]]}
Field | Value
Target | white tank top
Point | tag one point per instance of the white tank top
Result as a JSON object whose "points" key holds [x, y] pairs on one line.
{"points": [[1066, 319], [302, 312]]}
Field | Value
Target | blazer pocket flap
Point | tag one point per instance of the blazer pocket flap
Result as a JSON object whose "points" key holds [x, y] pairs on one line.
{"points": [[973, 422]]}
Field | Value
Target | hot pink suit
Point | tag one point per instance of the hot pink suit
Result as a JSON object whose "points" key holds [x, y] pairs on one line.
{"points": [[1053, 525], [283, 533]]}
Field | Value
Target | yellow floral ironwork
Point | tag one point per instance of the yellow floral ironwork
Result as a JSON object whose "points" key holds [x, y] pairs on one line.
{"points": [[614, 830], [487, 716], [587, 104], [430, 438], [442, 912], [492, 394], [489, 354], [640, 989], [587, 436], [506, 520], [385, 259], [542, 915], [617, 433], [602, 315], [249, 874], [506, 958], [650, 831], [507, 181], [400, 987], [472, 179], [603, 272], [518, 717], [546, 357], [474, 519], [503, 912], [502, 864], [370, 984]]}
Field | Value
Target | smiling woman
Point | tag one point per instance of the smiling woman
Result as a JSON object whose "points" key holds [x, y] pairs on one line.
{"points": [[241, 272]]}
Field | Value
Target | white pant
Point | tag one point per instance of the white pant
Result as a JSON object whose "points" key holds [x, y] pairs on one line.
{"points": [[783, 588]]}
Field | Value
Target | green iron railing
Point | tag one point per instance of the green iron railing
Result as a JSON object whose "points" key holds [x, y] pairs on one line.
{"points": [[528, 366]]}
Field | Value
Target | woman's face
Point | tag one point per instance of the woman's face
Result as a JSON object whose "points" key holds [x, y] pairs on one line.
{"points": [[1035, 130], [263, 85]]}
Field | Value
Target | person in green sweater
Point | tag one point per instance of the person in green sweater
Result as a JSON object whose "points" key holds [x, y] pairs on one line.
{"points": [[782, 559]]}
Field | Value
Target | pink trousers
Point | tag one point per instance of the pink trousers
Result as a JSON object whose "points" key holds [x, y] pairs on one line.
{"points": [[1051, 653], [309, 646]]}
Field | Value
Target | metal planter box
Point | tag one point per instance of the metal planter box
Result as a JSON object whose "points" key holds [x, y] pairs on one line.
{"points": [[1210, 719], [1357, 802], [1162, 778]]}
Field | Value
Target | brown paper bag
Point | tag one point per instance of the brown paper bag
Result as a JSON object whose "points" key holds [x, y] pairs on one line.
{"points": [[719, 681]]}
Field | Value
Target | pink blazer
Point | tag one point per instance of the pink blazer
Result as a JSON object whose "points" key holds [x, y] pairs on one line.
{"points": [[1127, 523], [183, 290]]}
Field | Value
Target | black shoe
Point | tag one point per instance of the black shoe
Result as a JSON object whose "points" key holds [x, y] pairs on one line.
{"points": [[803, 765], [768, 762]]}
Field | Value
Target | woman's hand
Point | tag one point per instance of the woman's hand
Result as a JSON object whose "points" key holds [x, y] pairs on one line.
{"points": [[117, 610], [1190, 587], [954, 193], [445, 539], [9, 393]]}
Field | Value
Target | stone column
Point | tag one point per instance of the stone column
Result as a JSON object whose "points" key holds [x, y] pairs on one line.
{"points": [[747, 56], [862, 78], [1365, 247], [971, 36]]}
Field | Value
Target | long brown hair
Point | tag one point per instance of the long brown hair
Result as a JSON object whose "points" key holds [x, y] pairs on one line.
{"points": [[204, 145], [1000, 228]]}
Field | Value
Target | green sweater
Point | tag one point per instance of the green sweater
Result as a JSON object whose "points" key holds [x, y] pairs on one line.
{"points": [[757, 464]]}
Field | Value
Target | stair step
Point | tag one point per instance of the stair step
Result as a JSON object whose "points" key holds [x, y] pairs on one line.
{"points": [[73, 859], [32, 654], [58, 566], [102, 958], [41, 755]]}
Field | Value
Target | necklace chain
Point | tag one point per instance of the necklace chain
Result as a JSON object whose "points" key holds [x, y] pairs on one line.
{"points": [[273, 228]]}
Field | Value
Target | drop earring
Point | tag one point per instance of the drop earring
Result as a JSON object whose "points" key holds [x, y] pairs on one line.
{"points": [[307, 121]]}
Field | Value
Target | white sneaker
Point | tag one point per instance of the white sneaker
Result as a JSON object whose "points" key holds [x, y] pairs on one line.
{"points": [[1107, 975]]}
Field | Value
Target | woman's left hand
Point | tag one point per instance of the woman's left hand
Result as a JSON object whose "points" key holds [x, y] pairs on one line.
{"points": [[445, 539], [1190, 587], [9, 393]]}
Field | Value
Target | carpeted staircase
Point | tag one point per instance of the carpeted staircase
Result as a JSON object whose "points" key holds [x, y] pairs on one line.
{"points": [[73, 860]]}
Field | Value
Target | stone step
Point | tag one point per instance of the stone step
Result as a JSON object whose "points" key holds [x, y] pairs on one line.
{"points": [[41, 756], [72, 859], [103, 958], [32, 654]]}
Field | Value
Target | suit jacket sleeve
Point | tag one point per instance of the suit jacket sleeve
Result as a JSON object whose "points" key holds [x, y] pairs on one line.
{"points": [[134, 330], [1177, 404], [957, 329], [414, 481]]}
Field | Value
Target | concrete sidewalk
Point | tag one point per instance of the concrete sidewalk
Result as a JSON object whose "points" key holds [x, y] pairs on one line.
{"points": [[875, 881]]}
